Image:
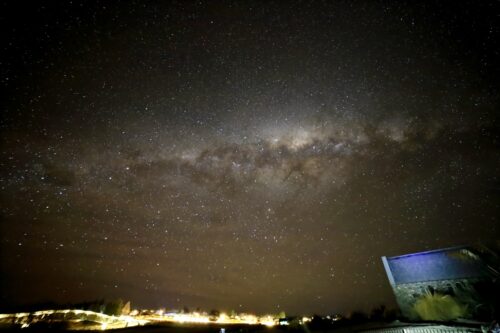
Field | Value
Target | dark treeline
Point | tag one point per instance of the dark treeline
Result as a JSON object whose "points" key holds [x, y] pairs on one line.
{"points": [[378, 314]]}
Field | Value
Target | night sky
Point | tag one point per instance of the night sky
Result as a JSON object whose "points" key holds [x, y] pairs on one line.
{"points": [[255, 156]]}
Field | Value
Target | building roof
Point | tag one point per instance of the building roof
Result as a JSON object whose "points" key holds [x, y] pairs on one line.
{"points": [[443, 264]]}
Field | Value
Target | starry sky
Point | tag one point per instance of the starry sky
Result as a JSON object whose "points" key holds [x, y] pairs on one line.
{"points": [[246, 155]]}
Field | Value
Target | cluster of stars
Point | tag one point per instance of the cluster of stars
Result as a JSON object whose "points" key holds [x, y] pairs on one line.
{"points": [[232, 156]]}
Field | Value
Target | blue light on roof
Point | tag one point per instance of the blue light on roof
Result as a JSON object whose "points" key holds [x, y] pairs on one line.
{"points": [[447, 264]]}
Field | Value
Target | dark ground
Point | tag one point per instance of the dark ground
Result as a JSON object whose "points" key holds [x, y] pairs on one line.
{"points": [[181, 328]]}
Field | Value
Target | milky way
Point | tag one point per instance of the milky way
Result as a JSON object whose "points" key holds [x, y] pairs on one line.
{"points": [[237, 157]]}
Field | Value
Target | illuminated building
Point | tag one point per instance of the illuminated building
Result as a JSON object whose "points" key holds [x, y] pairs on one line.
{"points": [[445, 284]]}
